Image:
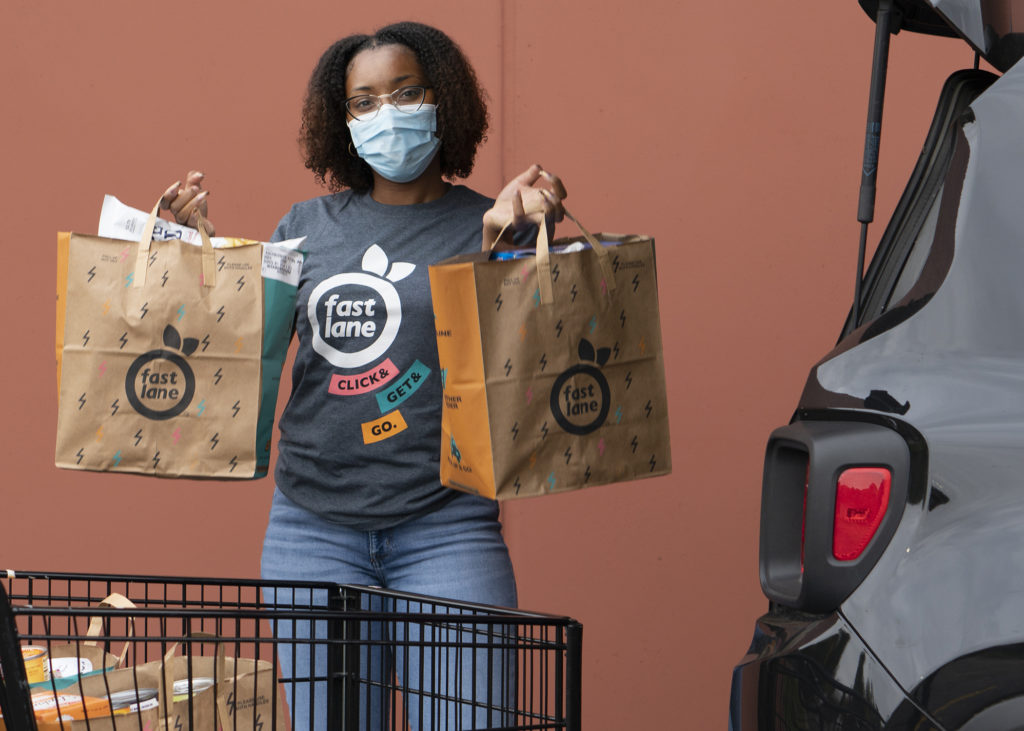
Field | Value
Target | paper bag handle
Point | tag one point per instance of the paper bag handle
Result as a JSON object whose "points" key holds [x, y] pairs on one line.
{"points": [[166, 689], [116, 601], [221, 669], [209, 258], [544, 260], [146, 243], [220, 672]]}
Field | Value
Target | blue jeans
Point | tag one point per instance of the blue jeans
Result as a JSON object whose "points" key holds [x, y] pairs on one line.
{"points": [[456, 552]]}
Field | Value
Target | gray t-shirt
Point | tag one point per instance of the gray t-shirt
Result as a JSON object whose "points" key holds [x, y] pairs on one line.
{"points": [[361, 434]]}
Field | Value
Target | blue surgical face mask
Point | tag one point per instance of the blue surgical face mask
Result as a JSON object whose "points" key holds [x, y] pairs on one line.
{"points": [[397, 145]]}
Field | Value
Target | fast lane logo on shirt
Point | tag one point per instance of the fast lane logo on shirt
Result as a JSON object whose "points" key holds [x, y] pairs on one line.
{"points": [[355, 316]]}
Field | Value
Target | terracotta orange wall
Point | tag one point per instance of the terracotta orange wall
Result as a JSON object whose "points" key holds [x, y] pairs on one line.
{"points": [[730, 131]]}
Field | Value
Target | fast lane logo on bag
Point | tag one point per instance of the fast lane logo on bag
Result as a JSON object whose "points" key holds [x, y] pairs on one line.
{"points": [[160, 384], [580, 397]]}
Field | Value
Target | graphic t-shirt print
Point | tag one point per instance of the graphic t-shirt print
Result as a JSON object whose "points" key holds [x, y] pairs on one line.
{"points": [[354, 318]]}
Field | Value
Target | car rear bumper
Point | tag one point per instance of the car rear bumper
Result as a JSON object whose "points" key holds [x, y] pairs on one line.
{"points": [[811, 672]]}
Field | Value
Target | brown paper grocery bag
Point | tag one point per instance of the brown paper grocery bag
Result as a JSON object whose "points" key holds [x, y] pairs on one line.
{"points": [[102, 686], [242, 694], [551, 367], [84, 656], [159, 356]]}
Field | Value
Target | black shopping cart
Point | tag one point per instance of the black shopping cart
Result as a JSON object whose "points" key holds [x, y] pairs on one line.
{"points": [[116, 653]]}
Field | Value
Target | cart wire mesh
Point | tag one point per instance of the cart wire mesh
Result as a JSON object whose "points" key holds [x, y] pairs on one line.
{"points": [[143, 653]]}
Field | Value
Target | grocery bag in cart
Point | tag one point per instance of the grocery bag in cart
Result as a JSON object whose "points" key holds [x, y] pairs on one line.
{"points": [[233, 651], [170, 348], [221, 692], [66, 663], [115, 700], [183, 692]]}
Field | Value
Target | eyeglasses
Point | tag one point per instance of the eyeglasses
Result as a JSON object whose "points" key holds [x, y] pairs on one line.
{"points": [[408, 99]]}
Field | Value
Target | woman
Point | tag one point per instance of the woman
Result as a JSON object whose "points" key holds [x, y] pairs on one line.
{"points": [[388, 120]]}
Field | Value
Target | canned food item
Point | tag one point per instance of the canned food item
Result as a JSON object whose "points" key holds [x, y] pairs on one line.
{"points": [[181, 687], [69, 667], [133, 700], [523, 252], [37, 667]]}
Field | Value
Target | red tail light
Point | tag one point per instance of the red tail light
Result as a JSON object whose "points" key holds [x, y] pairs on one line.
{"points": [[821, 536], [862, 496]]}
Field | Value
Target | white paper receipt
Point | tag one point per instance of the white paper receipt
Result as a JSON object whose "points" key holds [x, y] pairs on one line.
{"points": [[282, 261], [118, 221]]}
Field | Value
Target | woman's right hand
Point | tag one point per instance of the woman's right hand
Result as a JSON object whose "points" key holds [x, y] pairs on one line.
{"points": [[184, 200], [531, 196]]}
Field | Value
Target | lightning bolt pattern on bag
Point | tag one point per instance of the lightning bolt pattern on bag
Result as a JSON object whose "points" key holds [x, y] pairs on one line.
{"points": [[169, 353], [552, 367]]}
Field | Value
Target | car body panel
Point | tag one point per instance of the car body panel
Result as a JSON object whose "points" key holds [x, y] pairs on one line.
{"points": [[809, 672], [994, 28], [933, 635], [957, 361]]}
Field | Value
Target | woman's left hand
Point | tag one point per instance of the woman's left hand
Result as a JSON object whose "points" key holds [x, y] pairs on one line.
{"points": [[530, 196]]}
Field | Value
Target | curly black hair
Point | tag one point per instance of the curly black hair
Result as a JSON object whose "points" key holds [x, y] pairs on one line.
{"points": [[461, 105]]}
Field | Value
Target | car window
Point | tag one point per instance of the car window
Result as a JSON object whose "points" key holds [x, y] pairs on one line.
{"points": [[905, 245], [917, 255]]}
